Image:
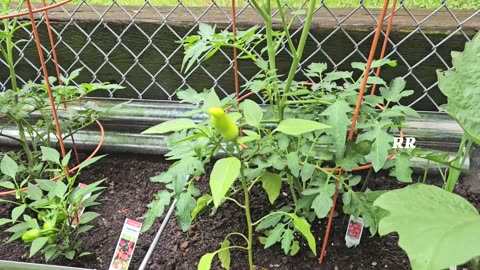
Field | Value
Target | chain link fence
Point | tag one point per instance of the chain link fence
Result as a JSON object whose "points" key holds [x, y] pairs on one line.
{"points": [[136, 46]]}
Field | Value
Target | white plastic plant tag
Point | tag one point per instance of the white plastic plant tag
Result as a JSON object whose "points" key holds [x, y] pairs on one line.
{"points": [[354, 231], [126, 245], [80, 211], [452, 268]]}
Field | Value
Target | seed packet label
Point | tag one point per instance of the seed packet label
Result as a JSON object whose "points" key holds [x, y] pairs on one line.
{"points": [[126, 245], [80, 211], [354, 231]]}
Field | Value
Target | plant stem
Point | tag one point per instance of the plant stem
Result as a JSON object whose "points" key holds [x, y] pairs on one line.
{"points": [[292, 190], [9, 58], [272, 62], [310, 101], [269, 215], [426, 171], [23, 140], [453, 175], [235, 201], [247, 211], [237, 233], [297, 58]]}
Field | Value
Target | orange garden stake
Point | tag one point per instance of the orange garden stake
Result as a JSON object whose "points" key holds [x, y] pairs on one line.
{"points": [[359, 103]]}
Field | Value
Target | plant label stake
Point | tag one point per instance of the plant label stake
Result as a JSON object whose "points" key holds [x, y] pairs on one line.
{"points": [[126, 244], [354, 231], [80, 211]]}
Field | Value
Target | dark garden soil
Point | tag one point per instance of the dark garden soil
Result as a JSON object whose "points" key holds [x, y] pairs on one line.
{"points": [[128, 191]]}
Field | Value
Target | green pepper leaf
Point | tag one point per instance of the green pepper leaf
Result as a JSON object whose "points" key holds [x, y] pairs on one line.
{"points": [[223, 175], [8, 166], [171, 125]]}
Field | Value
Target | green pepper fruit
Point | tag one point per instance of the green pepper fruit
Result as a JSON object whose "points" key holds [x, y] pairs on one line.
{"points": [[61, 217], [227, 128], [52, 239], [48, 225], [42, 215], [31, 235]]}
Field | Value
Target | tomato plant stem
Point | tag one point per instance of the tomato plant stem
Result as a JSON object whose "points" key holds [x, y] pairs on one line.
{"points": [[297, 58], [292, 190]]}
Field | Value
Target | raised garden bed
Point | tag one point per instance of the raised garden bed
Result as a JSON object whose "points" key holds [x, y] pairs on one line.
{"points": [[129, 190]]}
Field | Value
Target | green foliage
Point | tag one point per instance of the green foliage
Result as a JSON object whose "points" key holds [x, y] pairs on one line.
{"points": [[46, 220], [292, 145], [272, 184], [44, 210], [431, 222], [461, 85], [171, 125]]}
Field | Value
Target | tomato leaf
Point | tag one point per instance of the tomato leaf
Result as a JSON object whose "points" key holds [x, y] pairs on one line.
{"points": [[156, 209], [272, 183], [296, 127], [275, 235], [338, 120], [303, 227]]}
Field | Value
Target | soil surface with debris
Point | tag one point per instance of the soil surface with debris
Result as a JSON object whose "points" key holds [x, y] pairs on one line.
{"points": [[129, 191]]}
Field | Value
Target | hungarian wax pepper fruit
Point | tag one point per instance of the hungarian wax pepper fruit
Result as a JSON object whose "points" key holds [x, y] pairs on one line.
{"points": [[227, 128], [31, 235]]}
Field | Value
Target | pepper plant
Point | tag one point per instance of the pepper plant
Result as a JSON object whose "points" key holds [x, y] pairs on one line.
{"points": [[296, 142], [28, 109], [46, 217], [43, 216]]}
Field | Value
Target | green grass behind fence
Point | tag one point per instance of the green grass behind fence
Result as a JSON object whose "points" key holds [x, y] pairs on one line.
{"points": [[456, 4]]}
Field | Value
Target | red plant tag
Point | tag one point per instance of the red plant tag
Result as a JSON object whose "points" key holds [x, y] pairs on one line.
{"points": [[125, 245], [354, 231], [80, 211]]}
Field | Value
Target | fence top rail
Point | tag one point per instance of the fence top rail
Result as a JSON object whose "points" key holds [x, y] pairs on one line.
{"points": [[325, 17]]}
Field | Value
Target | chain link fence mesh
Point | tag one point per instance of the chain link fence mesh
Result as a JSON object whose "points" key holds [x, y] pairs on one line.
{"points": [[135, 46]]}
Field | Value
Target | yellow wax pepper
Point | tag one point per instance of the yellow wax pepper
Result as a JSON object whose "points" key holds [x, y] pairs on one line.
{"points": [[223, 123]]}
